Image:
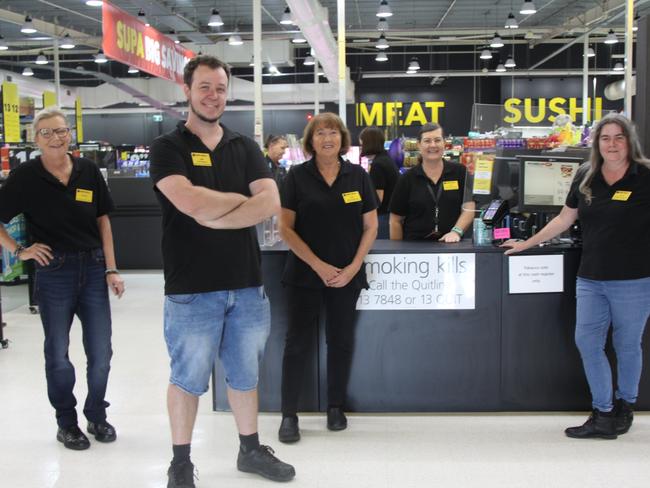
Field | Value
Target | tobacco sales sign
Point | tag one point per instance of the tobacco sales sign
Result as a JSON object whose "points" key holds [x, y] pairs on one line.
{"points": [[129, 41], [419, 282]]}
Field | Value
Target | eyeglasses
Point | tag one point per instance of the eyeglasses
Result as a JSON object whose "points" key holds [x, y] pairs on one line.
{"points": [[59, 132]]}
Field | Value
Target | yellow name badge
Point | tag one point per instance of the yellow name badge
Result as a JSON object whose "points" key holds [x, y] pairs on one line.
{"points": [[201, 159], [450, 185], [621, 196], [84, 195], [351, 197]]}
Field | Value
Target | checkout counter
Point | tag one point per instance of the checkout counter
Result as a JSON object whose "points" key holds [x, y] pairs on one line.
{"points": [[511, 352]]}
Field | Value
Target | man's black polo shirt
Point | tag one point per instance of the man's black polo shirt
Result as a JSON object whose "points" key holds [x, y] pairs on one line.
{"points": [[414, 202], [384, 175], [328, 219], [198, 259], [63, 217], [615, 227]]}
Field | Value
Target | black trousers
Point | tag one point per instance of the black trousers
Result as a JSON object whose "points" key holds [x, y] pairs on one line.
{"points": [[340, 314]]}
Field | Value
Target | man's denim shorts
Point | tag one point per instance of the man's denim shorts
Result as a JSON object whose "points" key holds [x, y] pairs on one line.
{"points": [[233, 324]]}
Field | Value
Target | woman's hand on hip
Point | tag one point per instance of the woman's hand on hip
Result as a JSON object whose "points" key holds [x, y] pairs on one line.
{"points": [[115, 284], [41, 253]]}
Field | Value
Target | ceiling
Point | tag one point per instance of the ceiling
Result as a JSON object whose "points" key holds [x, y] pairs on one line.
{"points": [[416, 26]]}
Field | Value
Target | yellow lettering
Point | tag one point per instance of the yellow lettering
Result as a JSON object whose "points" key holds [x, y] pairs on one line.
{"points": [[120, 39], [374, 117], [511, 107], [140, 49], [435, 108], [528, 110], [598, 112], [554, 106], [416, 114], [574, 110], [393, 111]]}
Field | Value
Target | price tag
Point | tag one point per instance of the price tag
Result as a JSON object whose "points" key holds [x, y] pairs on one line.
{"points": [[11, 112]]}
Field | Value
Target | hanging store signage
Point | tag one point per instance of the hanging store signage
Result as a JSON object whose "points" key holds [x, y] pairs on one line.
{"points": [[78, 120], [544, 111], [10, 112], [419, 282], [49, 99], [536, 274], [129, 41], [397, 113]]}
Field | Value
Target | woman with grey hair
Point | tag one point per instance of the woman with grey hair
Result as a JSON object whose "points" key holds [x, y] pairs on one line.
{"points": [[611, 197], [66, 203]]}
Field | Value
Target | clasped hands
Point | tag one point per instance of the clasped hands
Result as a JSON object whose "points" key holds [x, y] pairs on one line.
{"points": [[334, 277]]}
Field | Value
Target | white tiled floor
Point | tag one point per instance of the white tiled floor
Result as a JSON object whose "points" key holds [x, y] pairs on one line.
{"points": [[377, 451]]}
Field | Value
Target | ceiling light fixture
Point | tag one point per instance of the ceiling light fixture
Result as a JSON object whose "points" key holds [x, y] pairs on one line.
{"points": [[133, 70], [66, 42], [3, 44], [510, 62], [252, 63], [215, 19], [298, 39], [511, 22], [611, 37], [41, 59], [381, 57], [414, 65], [486, 54], [496, 41], [382, 24], [286, 17], [382, 43], [528, 8], [384, 10], [235, 39], [635, 27], [142, 17], [500, 68], [619, 67], [309, 61], [28, 26], [590, 52], [94, 3], [28, 71], [410, 71], [100, 58]]}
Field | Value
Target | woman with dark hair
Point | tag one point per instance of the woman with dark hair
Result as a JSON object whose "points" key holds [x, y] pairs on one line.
{"points": [[427, 203], [611, 197], [275, 147], [329, 222], [383, 173]]}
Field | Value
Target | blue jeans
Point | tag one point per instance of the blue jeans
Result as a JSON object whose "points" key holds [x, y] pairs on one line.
{"points": [[231, 324], [626, 305], [73, 283]]}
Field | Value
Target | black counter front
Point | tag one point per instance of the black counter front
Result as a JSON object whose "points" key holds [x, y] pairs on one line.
{"points": [[512, 352]]}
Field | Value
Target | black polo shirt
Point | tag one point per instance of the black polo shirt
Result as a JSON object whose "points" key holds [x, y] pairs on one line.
{"points": [[63, 217], [278, 172], [414, 202], [384, 175], [198, 259], [615, 227], [328, 219]]}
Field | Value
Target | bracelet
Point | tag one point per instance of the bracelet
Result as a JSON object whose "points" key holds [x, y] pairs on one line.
{"points": [[19, 249], [111, 271], [458, 230]]}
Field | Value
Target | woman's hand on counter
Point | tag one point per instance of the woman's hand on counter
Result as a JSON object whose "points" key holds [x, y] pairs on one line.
{"points": [[450, 237], [514, 246], [344, 277], [326, 271]]}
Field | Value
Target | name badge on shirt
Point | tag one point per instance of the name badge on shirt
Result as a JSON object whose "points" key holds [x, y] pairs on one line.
{"points": [[82, 195], [201, 159], [450, 185], [351, 197], [621, 196]]}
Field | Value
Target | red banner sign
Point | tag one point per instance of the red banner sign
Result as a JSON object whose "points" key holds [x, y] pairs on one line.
{"points": [[129, 41]]}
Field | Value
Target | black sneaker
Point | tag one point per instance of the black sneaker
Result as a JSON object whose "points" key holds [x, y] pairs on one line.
{"points": [[263, 462], [289, 431], [336, 419], [624, 416], [599, 424], [73, 438], [103, 431], [181, 475]]}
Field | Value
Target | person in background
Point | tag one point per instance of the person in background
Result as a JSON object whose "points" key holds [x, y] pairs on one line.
{"points": [[427, 202], [329, 222], [611, 196], [66, 203], [214, 187], [275, 147], [383, 173]]}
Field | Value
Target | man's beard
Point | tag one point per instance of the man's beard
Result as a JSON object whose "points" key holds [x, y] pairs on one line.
{"points": [[203, 117]]}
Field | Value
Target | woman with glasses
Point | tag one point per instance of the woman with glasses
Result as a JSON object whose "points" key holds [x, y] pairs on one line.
{"points": [[611, 197], [427, 202], [66, 202]]}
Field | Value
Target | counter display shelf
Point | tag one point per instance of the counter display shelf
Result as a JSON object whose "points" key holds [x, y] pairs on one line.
{"points": [[509, 353]]}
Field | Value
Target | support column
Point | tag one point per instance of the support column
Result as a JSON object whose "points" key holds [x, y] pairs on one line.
{"points": [[258, 130], [340, 10], [642, 99]]}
